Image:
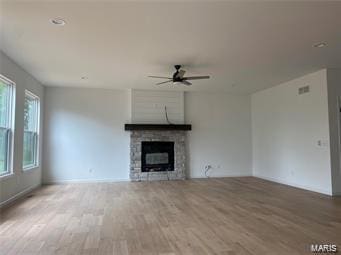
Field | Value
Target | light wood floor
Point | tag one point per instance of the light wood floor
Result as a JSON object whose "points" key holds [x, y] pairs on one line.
{"points": [[209, 216]]}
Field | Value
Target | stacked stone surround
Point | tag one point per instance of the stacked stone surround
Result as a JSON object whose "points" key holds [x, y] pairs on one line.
{"points": [[136, 139]]}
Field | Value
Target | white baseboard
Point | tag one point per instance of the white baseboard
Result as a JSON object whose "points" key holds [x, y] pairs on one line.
{"points": [[75, 181], [322, 191], [219, 176], [19, 195]]}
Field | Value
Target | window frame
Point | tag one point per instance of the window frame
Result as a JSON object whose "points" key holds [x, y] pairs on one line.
{"points": [[36, 164], [10, 126]]}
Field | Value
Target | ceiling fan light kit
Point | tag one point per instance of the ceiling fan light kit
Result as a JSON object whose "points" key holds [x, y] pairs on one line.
{"points": [[178, 77]]}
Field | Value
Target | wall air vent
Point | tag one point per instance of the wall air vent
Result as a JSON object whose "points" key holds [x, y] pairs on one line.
{"points": [[303, 90]]}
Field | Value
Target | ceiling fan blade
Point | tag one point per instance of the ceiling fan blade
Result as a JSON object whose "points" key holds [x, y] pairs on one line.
{"points": [[196, 77], [160, 77], [164, 82], [187, 83], [181, 73]]}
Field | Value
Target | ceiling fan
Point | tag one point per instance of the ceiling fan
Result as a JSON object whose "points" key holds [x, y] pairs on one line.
{"points": [[178, 77]]}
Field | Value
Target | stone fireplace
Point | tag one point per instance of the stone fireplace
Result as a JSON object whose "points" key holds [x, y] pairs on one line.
{"points": [[157, 154]]}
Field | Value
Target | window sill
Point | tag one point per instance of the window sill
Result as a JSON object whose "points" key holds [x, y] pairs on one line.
{"points": [[29, 168], [6, 176]]}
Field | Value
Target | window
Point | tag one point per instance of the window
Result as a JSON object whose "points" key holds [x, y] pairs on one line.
{"points": [[31, 130], [6, 125]]}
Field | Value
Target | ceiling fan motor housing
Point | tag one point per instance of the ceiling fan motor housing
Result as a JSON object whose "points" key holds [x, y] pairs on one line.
{"points": [[175, 75]]}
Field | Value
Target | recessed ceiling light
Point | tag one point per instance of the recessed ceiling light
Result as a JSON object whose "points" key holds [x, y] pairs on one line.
{"points": [[58, 21], [319, 45]]}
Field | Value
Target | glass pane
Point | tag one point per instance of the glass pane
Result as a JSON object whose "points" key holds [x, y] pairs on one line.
{"points": [[3, 150], [30, 113], [30, 130], [157, 158], [29, 148], [4, 100]]}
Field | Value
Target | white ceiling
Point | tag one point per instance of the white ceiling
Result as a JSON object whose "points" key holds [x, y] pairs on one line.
{"points": [[244, 46]]}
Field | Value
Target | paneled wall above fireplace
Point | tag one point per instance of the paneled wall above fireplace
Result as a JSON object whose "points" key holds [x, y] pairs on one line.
{"points": [[148, 106]]}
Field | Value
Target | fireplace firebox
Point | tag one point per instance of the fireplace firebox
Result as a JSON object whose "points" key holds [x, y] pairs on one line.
{"points": [[157, 156]]}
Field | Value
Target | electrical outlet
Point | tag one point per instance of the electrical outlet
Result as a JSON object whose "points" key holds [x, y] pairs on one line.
{"points": [[323, 143], [207, 170], [303, 90]]}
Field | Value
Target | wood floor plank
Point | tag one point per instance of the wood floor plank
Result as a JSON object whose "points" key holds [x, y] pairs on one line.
{"points": [[222, 216]]}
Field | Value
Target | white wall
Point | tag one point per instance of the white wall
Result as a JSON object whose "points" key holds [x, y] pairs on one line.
{"points": [[221, 134], [334, 101], [84, 138], [148, 106], [84, 135], [286, 128], [84, 130], [20, 181]]}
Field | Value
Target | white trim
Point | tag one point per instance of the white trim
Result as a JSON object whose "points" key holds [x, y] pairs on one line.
{"points": [[84, 181], [292, 184], [19, 195], [338, 105], [10, 125], [337, 193], [33, 96], [219, 176], [128, 180], [5, 79], [6, 176], [29, 168]]}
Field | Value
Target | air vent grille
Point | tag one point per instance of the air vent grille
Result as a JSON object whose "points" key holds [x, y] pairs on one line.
{"points": [[303, 90]]}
